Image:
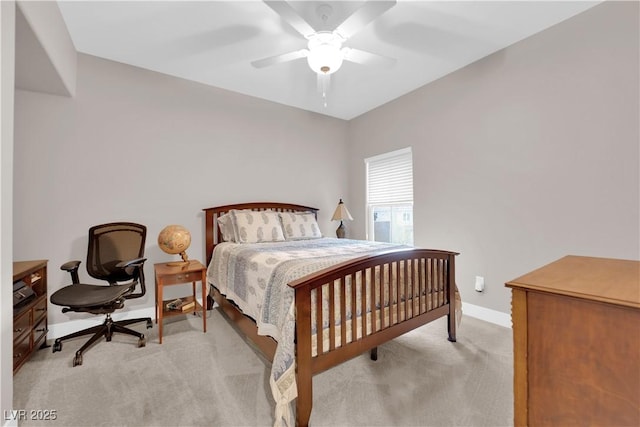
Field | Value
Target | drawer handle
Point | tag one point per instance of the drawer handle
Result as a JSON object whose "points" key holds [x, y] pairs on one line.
{"points": [[180, 276], [18, 330], [41, 309], [41, 330], [17, 356]]}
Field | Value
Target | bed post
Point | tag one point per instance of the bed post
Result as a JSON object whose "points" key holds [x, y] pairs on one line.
{"points": [[304, 373], [451, 283], [210, 230]]}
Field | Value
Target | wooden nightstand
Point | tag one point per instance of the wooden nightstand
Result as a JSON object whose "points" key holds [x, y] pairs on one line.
{"points": [[167, 275]]}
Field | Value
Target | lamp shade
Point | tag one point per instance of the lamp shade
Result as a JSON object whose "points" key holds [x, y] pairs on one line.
{"points": [[341, 213]]}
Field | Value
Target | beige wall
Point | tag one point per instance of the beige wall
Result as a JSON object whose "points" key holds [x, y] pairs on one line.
{"points": [[142, 146], [522, 157], [7, 61], [46, 59]]}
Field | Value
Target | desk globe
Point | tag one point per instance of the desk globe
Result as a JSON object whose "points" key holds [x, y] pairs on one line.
{"points": [[175, 239]]}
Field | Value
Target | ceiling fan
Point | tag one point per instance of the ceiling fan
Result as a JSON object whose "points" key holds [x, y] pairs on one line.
{"points": [[325, 51]]}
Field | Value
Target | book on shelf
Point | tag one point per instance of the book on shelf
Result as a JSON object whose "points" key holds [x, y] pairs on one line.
{"points": [[180, 305], [188, 306], [175, 304]]}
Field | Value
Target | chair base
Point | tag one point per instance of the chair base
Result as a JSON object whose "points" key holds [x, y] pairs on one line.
{"points": [[106, 329]]}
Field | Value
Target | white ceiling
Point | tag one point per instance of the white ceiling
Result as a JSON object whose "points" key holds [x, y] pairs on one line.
{"points": [[214, 42]]}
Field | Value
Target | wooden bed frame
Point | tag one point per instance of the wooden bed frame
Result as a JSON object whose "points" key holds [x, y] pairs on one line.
{"points": [[427, 273]]}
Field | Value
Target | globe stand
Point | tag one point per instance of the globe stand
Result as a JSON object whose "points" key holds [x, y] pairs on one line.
{"points": [[185, 261]]}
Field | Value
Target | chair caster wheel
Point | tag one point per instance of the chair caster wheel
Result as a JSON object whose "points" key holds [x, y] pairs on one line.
{"points": [[142, 342], [77, 360], [57, 346], [149, 324]]}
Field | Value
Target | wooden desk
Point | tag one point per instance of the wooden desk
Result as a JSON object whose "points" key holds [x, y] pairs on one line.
{"points": [[576, 335], [167, 275]]}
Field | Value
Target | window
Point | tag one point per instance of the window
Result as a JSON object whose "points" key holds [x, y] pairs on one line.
{"points": [[390, 197]]}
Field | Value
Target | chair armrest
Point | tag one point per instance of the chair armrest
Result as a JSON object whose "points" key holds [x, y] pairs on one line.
{"points": [[130, 265], [123, 264], [72, 267]]}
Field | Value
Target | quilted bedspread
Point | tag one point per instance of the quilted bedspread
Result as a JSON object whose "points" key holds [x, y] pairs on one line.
{"points": [[255, 277]]}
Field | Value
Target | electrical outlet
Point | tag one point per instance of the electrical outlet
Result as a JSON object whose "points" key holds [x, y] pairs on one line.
{"points": [[479, 284]]}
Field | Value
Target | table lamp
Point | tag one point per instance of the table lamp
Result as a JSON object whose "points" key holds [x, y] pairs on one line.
{"points": [[341, 214]]}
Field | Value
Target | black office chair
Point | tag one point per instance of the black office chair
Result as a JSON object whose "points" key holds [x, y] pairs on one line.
{"points": [[116, 255]]}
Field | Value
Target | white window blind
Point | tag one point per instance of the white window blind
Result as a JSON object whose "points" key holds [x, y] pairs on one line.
{"points": [[390, 178]]}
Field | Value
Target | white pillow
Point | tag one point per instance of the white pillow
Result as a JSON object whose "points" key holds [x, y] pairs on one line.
{"points": [[257, 226], [227, 229], [300, 225]]}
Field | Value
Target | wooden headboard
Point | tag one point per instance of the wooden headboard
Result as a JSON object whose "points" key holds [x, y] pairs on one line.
{"points": [[212, 231]]}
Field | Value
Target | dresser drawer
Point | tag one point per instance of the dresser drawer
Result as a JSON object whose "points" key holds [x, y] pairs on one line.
{"points": [[40, 310], [21, 325], [181, 278], [40, 332], [21, 350]]}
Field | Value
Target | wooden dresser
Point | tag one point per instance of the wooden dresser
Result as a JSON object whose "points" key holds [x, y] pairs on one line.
{"points": [[30, 318], [576, 333]]}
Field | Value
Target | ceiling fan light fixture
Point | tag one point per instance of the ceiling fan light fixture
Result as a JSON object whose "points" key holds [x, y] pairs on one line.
{"points": [[325, 55], [325, 59]]}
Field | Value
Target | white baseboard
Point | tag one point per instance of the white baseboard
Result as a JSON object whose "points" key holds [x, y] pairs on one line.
{"points": [[486, 314], [64, 328], [61, 329]]}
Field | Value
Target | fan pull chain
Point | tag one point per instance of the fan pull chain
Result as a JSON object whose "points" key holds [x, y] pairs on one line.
{"points": [[323, 87]]}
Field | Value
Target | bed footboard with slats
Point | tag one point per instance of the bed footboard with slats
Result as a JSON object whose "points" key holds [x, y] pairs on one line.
{"points": [[371, 300]]}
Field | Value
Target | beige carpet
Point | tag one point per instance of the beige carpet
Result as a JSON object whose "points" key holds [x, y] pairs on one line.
{"points": [[217, 379]]}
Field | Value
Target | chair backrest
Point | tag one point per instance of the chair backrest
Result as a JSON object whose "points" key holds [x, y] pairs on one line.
{"points": [[112, 243]]}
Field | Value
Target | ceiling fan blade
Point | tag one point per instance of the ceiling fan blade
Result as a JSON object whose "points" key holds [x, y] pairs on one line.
{"points": [[292, 17], [363, 16], [278, 59], [367, 58]]}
